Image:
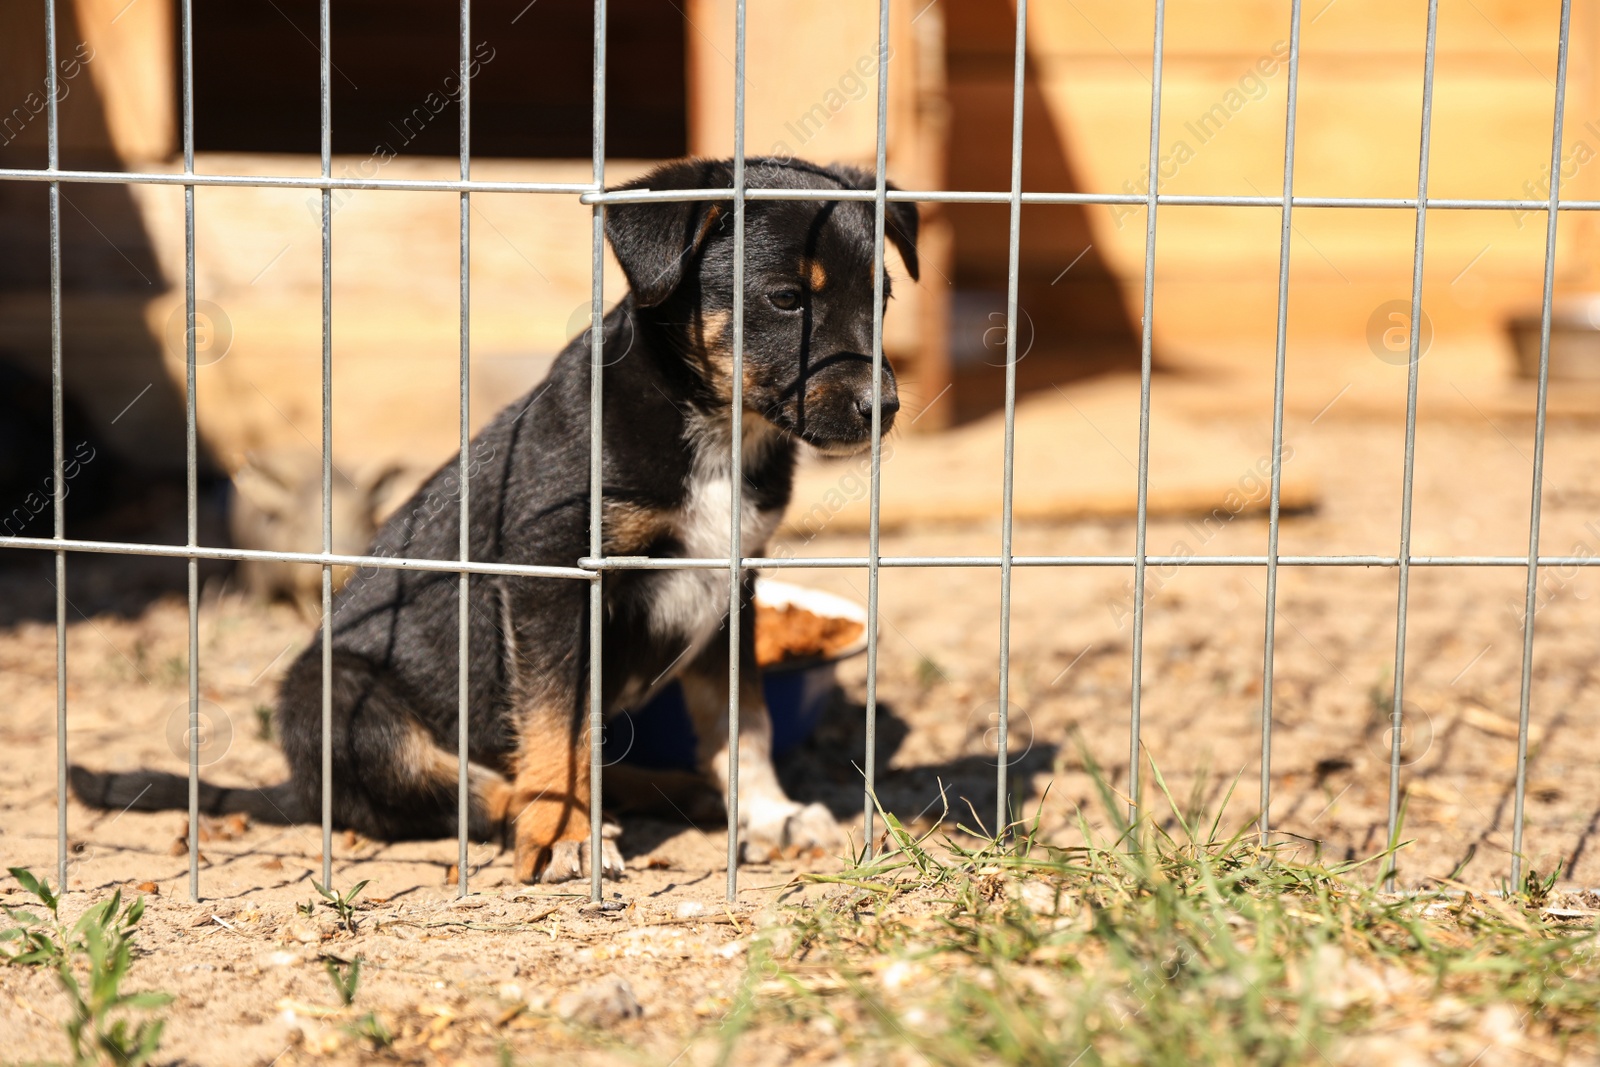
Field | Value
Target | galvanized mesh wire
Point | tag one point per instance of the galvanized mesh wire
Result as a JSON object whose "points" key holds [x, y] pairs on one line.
{"points": [[593, 567]]}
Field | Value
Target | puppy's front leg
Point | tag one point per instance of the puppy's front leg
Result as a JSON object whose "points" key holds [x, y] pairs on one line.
{"points": [[549, 798], [769, 822]]}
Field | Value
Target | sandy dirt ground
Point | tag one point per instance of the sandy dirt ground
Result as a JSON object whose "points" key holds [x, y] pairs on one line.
{"points": [[511, 966]]}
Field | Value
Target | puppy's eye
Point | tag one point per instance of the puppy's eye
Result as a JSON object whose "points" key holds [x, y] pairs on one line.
{"points": [[785, 299]]}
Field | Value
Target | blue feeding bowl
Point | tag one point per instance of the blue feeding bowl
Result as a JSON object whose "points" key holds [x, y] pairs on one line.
{"points": [[660, 734]]}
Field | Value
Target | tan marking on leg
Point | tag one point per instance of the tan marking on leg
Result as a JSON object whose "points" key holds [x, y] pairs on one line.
{"points": [[549, 796]]}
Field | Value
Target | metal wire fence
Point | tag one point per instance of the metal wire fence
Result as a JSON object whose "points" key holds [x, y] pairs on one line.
{"points": [[593, 567]]}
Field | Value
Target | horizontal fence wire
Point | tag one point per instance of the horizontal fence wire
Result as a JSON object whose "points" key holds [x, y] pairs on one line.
{"points": [[592, 568], [589, 193], [402, 563], [589, 566]]}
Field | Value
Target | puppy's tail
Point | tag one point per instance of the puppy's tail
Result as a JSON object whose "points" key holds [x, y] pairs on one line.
{"points": [[275, 805]]}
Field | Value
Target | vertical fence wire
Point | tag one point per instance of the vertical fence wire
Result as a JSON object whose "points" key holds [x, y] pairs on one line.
{"points": [[736, 473], [191, 452], [1280, 367], [1537, 492], [597, 309], [1396, 710], [58, 494], [1141, 518], [880, 211], [1002, 800], [325, 35], [463, 465]]}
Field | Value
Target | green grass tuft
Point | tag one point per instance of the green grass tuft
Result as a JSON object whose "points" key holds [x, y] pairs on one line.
{"points": [[1166, 941], [91, 959]]}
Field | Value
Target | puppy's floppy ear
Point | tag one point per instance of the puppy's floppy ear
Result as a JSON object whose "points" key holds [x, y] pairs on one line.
{"points": [[900, 226], [899, 217], [654, 241]]}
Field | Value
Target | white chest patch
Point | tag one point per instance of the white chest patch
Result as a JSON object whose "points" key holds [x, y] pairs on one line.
{"points": [[691, 604]]}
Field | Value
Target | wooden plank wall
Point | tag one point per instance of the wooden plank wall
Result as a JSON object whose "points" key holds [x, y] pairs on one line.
{"points": [[811, 85], [1359, 115]]}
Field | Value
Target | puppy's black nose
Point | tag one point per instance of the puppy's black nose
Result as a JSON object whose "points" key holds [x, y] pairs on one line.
{"points": [[891, 404]]}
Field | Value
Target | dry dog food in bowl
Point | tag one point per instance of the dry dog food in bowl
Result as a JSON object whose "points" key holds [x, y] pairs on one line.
{"points": [[789, 633]]}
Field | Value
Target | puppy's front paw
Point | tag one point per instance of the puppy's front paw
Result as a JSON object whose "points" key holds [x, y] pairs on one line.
{"points": [[569, 861], [564, 861], [789, 831], [813, 827]]}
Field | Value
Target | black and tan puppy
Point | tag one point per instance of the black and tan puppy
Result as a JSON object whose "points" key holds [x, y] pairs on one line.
{"points": [[667, 477]]}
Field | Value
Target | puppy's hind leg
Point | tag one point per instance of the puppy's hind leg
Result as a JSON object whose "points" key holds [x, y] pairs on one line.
{"points": [[392, 779]]}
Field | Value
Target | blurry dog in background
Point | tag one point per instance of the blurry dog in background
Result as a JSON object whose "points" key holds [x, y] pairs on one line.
{"points": [[277, 506]]}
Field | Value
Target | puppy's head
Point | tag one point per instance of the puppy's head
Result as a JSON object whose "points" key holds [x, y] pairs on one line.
{"points": [[807, 291]]}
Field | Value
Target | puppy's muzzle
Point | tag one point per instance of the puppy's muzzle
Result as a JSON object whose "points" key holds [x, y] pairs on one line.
{"points": [[837, 417]]}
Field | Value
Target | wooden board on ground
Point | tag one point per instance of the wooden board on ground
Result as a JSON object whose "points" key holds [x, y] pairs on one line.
{"points": [[1076, 457]]}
